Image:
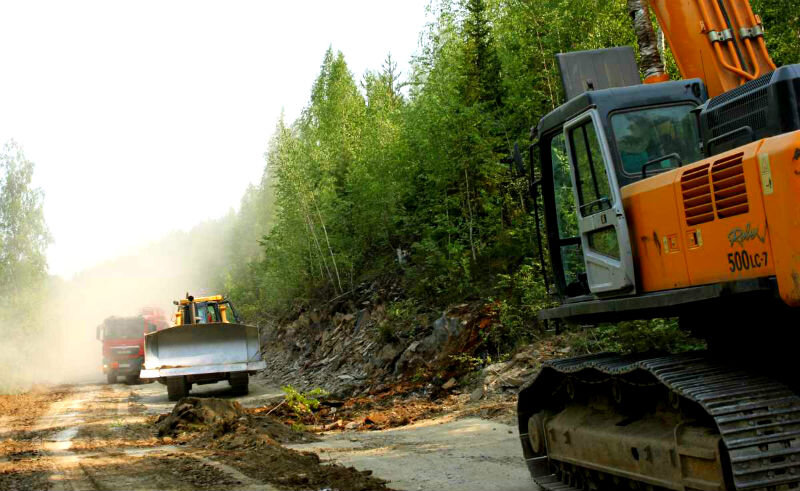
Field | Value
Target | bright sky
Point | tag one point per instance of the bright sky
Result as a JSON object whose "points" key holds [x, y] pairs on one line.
{"points": [[147, 116]]}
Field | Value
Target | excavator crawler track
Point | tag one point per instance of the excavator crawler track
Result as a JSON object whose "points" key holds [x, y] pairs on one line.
{"points": [[758, 418]]}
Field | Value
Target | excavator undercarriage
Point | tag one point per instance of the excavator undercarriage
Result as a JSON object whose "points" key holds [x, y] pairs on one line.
{"points": [[677, 422]]}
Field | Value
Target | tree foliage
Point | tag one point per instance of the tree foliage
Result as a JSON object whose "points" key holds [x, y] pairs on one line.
{"points": [[23, 233], [408, 174]]}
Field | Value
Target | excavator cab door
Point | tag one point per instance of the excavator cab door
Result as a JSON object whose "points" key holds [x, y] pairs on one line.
{"points": [[600, 214]]}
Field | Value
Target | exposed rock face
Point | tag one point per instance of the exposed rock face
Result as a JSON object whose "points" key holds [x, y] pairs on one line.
{"points": [[344, 354], [450, 336]]}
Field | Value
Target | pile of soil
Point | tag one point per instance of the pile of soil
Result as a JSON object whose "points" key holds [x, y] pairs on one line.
{"points": [[250, 441], [223, 420], [195, 414]]}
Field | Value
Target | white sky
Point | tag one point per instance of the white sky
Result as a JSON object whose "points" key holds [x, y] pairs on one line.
{"points": [[148, 116]]}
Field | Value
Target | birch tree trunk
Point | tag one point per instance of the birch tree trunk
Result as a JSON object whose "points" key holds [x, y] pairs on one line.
{"points": [[652, 65]]}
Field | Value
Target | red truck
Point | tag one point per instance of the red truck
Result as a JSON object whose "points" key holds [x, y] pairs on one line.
{"points": [[123, 343]]}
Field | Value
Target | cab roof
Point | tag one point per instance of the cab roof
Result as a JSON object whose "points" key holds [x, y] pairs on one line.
{"points": [[610, 100], [212, 298]]}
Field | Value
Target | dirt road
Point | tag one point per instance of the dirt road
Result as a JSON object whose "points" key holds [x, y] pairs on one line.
{"points": [[99, 436]]}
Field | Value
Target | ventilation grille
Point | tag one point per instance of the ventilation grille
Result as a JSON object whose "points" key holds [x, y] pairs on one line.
{"points": [[723, 192], [697, 196], [750, 110], [730, 95], [727, 116], [730, 194]]}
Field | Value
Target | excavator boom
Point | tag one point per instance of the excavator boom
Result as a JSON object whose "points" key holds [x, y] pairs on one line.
{"points": [[719, 41]]}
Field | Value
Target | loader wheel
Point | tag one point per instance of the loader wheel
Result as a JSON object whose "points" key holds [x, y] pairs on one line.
{"points": [[239, 383], [176, 388], [111, 377]]}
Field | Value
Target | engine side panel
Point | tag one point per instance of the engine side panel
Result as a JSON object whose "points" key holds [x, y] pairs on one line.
{"points": [[707, 222], [652, 213], [779, 170]]}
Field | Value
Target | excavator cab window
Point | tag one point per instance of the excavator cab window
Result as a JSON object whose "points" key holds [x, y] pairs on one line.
{"points": [[645, 135], [567, 219], [594, 192]]}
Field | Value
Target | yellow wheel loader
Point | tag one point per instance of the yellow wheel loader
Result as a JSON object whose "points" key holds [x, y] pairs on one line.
{"points": [[206, 344]]}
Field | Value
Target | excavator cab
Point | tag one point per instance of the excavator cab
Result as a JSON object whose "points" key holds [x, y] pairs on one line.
{"points": [[589, 149]]}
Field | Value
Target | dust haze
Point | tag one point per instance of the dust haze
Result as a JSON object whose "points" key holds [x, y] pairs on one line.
{"points": [[59, 344]]}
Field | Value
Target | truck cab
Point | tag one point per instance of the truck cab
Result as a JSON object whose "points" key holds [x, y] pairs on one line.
{"points": [[122, 341]]}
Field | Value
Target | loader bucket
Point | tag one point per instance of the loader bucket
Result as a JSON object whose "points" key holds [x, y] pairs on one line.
{"points": [[201, 349]]}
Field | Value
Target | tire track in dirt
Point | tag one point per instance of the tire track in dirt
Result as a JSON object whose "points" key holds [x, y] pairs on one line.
{"points": [[23, 462], [102, 441]]}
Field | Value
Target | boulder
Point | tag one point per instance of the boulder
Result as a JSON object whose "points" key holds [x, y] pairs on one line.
{"points": [[387, 355], [450, 336], [477, 394]]}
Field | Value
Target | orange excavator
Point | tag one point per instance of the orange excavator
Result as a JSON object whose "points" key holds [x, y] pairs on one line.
{"points": [[676, 199]]}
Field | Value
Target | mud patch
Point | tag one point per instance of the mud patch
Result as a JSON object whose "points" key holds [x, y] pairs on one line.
{"points": [[119, 471], [292, 470], [102, 435]]}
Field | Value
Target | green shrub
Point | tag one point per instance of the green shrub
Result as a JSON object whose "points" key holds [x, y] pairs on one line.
{"points": [[302, 404], [635, 337]]}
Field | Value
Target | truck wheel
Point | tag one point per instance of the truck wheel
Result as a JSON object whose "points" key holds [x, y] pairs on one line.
{"points": [[239, 383], [111, 377], [176, 388], [132, 379]]}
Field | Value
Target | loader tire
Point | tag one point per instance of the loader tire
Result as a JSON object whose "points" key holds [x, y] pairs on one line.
{"points": [[176, 388], [240, 383], [111, 377]]}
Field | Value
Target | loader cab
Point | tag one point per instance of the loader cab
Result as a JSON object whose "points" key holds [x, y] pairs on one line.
{"points": [[214, 311], [205, 310], [591, 147]]}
